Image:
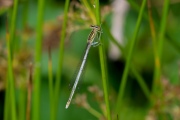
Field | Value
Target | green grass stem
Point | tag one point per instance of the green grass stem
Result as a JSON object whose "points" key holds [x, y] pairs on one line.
{"points": [[155, 44], [137, 75], [89, 10], [129, 57], [13, 25], [163, 26], [10, 93], [103, 63], [156, 83], [25, 13], [29, 93], [111, 37], [22, 101], [10, 82], [50, 76], [7, 92], [22, 89], [141, 82], [173, 43], [61, 55], [93, 112], [7, 101], [37, 70], [136, 7]]}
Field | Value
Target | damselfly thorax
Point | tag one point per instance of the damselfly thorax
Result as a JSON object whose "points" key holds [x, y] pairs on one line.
{"points": [[93, 33]]}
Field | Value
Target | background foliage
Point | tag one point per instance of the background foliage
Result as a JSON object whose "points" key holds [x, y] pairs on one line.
{"points": [[41, 46]]}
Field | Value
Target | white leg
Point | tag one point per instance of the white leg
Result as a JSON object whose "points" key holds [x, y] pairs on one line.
{"points": [[95, 44]]}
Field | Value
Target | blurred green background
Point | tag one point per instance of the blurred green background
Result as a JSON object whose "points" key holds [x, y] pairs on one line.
{"points": [[161, 104]]}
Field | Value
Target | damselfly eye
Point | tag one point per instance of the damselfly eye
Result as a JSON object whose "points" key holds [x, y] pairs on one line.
{"points": [[95, 26], [98, 28], [92, 26]]}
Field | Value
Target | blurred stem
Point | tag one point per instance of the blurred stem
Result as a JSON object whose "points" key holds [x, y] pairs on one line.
{"points": [[103, 63], [173, 43], [22, 101], [142, 84], [120, 47], [93, 112], [90, 11], [11, 81], [136, 7], [25, 13], [157, 88], [153, 34], [61, 55], [156, 82], [163, 26], [129, 57], [37, 71], [13, 25], [29, 94], [139, 78], [50, 75], [7, 92], [7, 100], [22, 90]]}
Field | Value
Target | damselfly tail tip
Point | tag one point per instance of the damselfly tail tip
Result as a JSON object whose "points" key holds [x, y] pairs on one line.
{"points": [[67, 104]]}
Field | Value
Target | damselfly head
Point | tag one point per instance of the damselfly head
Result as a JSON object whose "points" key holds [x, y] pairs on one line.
{"points": [[95, 27]]}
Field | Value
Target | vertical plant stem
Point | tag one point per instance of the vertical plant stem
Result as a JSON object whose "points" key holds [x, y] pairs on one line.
{"points": [[50, 75], [7, 100], [163, 26], [138, 77], [156, 82], [89, 10], [22, 101], [10, 78], [155, 46], [13, 25], [129, 58], [103, 63], [22, 89], [29, 94], [37, 77], [120, 47], [7, 94], [134, 4], [12, 90], [11, 82], [141, 82], [25, 13], [61, 55]]}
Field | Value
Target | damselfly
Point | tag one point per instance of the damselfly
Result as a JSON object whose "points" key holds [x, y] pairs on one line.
{"points": [[90, 42]]}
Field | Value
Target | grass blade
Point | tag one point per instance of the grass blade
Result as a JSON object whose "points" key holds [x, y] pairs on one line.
{"points": [[129, 57], [10, 78], [50, 75], [61, 55], [13, 25], [29, 93], [11, 82], [103, 63], [156, 83], [37, 70], [138, 77]]}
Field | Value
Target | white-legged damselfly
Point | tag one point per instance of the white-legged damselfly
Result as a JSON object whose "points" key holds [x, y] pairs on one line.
{"points": [[90, 42]]}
